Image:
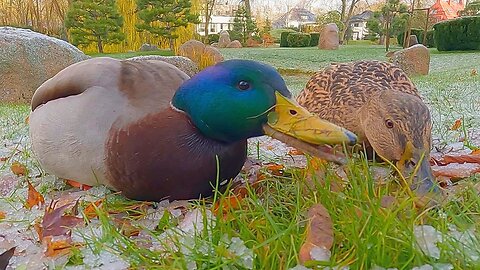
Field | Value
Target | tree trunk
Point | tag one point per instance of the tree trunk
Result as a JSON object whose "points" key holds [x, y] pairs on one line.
{"points": [[171, 41], [99, 45]]}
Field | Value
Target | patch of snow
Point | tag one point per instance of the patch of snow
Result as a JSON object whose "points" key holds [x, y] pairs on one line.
{"points": [[320, 254], [423, 267], [427, 239]]}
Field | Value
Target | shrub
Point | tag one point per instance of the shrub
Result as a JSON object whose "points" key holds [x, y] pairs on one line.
{"points": [[283, 38], [430, 42], [459, 34], [314, 37], [276, 33], [298, 40], [213, 38]]}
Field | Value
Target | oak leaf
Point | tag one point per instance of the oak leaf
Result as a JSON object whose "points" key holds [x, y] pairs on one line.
{"points": [[55, 223]]}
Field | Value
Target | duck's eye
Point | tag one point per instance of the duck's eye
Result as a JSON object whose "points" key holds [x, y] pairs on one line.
{"points": [[243, 85], [389, 123]]}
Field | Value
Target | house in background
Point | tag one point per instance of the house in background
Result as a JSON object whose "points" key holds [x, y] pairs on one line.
{"points": [[358, 24], [296, 17], [446, 10], [222, 18]]}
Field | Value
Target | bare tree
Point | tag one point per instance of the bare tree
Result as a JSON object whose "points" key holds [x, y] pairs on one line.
{"points": [[208, 6], [347, 8]]}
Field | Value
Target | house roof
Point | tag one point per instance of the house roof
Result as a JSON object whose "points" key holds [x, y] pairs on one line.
{"points": [[301, 15], [443, 10], [362, 17]]}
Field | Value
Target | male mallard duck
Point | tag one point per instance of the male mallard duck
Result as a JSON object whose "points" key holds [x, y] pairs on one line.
{"points": [[378, 102], [124, 124]]}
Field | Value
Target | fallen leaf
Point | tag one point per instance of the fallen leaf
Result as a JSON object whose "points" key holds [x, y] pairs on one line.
{"points": [[476, 152], [126, 227], [58, 247], [3, 158], [54, 223], [5, 258], [90, 211], [275, 169], [457, 124], [18, 168], [460, 158], [319, 233], [34, 197], [456, 171], [474, 72], [295, 152], [3, 215]]}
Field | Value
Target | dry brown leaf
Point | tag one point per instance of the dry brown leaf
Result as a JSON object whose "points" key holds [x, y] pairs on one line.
{"points": [[457, 124], [295, 152], [476, 152], [57, 247], [474, 72], [126, 227], [3, 158], [18, 168], [319, 232], [460, 158], [456, 171], [34, 197], [54, 223], [3, 215], [5, 257], [275, 169], [89, 211]]}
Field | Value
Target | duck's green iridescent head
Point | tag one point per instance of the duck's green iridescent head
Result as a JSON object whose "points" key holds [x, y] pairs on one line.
{"points": [[236, 99]]}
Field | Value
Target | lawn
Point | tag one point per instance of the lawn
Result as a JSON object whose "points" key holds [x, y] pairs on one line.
{"points": [[266, 228]]}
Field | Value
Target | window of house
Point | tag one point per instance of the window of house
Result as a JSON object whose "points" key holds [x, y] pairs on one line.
{"points": [[212, 27], [355, 24]]}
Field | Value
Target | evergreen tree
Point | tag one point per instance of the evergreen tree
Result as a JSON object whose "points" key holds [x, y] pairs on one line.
{"points": [[94, 21], [243, 25], [162, 17]]}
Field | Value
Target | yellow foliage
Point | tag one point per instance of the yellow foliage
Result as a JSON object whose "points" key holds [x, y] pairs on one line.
{"points": [[47, 16], [135, 39]]}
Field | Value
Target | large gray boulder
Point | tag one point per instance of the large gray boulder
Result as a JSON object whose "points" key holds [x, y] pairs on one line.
{"points": [[27, 59], [183, 63]]}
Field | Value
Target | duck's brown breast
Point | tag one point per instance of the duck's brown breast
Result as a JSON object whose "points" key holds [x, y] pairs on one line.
{"points": [[164, 156]]}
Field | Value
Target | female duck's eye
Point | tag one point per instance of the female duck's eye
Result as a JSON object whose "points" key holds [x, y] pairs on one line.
{"points": [[389, 123], [243, 85]]}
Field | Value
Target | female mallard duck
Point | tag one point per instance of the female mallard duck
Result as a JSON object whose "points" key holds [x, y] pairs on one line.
{"points": [[124, 124], [378, 102]]}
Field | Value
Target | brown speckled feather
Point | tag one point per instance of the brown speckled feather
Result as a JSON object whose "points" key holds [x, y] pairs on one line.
{"points": [[338, 92]]}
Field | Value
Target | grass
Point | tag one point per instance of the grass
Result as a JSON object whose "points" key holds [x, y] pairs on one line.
{"points": [[271, 220]]}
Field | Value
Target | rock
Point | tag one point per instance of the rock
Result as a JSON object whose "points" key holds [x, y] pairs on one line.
{"points": [[234, 44], [414, 60], [27, 59], [215, 45], [192, 49], [329, 37], [202, 55], [214, 54], [183, 63], [224, 39], [413, 40], [148, 47]]}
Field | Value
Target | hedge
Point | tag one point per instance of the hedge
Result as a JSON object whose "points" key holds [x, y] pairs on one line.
{"points": [[283, 38], [213, 38], [459, 34], [314, 37], [298, 40], [430, 42]]}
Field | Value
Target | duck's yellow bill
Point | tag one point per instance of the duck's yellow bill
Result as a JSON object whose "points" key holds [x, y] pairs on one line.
{"points": [[290, 118]]}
